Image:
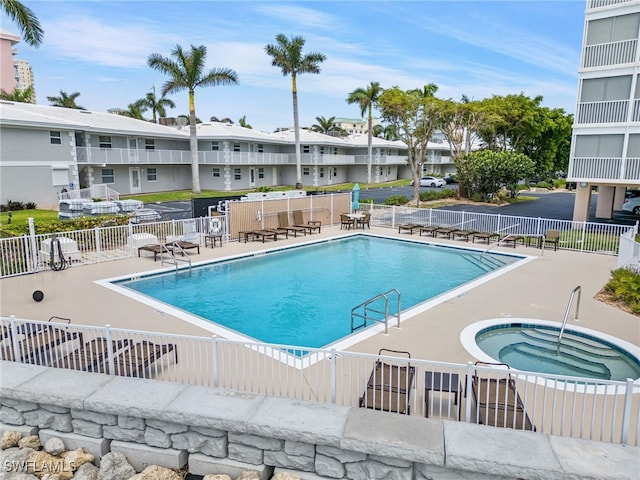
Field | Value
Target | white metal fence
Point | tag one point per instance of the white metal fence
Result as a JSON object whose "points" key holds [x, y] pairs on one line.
{"points": [[629, 254], [569, 406]]}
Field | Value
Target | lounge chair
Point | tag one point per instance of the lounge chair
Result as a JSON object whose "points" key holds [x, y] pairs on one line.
{"points": [[552, 237], [91, 356], [283, 220], [310, 226], [512, 239], [134, 360], [37, 342], [389, 386], [156, 249], [463, 234], [264, 234], [182, 246], [498, 402], [429, 229], [278, 231], [408, 226], [444, 231], [488, 236]]}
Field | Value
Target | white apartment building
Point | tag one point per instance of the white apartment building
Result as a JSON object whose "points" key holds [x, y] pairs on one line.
{"points": [[24, 76], [605, 147]]}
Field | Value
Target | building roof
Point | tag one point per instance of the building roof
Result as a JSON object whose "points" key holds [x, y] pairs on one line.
{"points": [[310, 137], [222, 131], [46, 116], [362, 139], [348, 120]]}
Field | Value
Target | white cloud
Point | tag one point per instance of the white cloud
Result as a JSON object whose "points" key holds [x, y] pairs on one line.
{"points": [[301, 17]]}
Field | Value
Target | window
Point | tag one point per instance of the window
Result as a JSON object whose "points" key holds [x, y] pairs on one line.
{"points": [[306, 149], [260, 172], [104, 142], [335, 150], [260, 148], [149, 144], [152, 174], [322, 172], [335, 171], [60, 176], [215, 146], [237, 174], [613, 29], [305, 170], [605, 89], [108, 176], [55, 138], [236, 147], [321, 150], [215, 171], [599, 146]]}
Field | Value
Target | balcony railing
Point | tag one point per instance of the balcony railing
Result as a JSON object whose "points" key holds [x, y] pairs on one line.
{"points": [[438, 160], [614, 111], [614, 53], [632, 169], [596, 168], [605, 3], [123, 156]]}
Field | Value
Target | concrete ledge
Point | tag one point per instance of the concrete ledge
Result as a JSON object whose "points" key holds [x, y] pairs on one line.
{"points": [[25, 430], [14, 375], [98, 447], [140, 456], [225, 409], [200, 464], [301, 421], [407, 437]]}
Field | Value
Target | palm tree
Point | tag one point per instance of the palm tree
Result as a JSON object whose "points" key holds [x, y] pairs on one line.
{"points": [[135, 110], [366, 99], [324, 125], [28, 23], [287, 54], [242, 121], [157, 105], [19, 95], [384, 131], [65, 100], [186, 72]]}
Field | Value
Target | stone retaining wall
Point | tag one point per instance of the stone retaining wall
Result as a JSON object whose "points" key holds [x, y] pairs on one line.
{"points": [[222, 431]]}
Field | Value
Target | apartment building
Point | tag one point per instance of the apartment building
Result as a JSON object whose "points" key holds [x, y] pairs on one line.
{"points": [[24, 76], [605, 147]]}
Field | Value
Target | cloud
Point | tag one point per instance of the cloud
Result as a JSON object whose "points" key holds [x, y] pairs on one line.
{"points": [[301, 17]]}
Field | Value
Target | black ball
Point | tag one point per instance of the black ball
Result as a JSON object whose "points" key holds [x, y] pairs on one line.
{"points": [[38, 295]]}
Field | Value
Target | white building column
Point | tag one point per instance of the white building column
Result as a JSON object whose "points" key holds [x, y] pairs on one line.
{"points": [[604, 206], [582, 202], [618, 198]]}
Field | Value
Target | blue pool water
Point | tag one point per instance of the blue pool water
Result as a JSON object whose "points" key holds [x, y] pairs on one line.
{"points": [[303, 296], [534, 348]]}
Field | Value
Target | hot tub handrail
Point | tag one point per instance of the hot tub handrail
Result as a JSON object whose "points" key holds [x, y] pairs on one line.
{"points": [[577, 290]]}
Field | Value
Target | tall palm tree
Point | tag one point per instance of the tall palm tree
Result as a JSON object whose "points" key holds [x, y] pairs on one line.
{"points": [[287, 54], [25, 95], [324, 125], [186, 72], [135, 110], [65, 100], [157, 105], [366, 99], [27, 21]]}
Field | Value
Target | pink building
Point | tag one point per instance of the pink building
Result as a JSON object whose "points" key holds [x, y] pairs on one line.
{"points": [[7, 73]]}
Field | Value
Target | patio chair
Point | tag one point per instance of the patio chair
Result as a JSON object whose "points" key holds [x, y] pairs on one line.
{"points": [[345, 221], [389, 386], [91, 356], [134, 360], [283, 220], [498, 402], [310, 226], [364, 221], [552, 237]]}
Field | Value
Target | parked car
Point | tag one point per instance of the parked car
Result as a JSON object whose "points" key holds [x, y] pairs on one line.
{"points": [[632, 202], [450, 179], [431, 182]]}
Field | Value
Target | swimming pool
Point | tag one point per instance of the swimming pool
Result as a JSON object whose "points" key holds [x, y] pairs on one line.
{"points": [[303, 295]]}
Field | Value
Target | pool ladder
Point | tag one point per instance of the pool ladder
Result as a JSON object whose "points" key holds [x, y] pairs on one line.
{"points": [[172, 253], [368, 310], [577, 290]]}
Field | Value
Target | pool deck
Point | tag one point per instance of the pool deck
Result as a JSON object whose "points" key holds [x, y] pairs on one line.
{"points": [[538, 289]]}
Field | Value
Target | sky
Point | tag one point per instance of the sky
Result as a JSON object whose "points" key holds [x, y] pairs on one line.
{"points": [[473, 48]]}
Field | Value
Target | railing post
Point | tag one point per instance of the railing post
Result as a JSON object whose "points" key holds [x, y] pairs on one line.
{"points": [[33, 245], [467, 390], [333, 375], [584, 232], [393, 216], [626, 412], [214, 354], [97, 234], [110, 352], [14, 340]]}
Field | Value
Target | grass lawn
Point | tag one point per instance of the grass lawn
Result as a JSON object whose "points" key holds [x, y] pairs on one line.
{"points": [[21, 216]]}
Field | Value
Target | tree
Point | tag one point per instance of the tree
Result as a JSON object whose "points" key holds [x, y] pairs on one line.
{"points": [[459, 123], [65, 100], [186, 72], [412, 115], [242, 121], [287, 55], [25, 95], [157, 105], [27, 21], [384, 131], [366, 99], [135, 110], [324, 125]]}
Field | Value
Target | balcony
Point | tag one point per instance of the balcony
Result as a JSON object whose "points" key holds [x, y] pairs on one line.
{"points": [[593, 4], [614, 53], [601, 169], [438, 160], [614, 111]]}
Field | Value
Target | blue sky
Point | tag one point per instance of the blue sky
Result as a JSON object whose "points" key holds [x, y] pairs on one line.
{"points": [[476, 48]]}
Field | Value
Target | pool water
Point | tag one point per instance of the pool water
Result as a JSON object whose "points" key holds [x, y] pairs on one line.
{"points": [[303, 296], [534, 348]]}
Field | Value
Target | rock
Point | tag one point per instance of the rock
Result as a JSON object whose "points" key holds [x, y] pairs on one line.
{"points": [[32, 441], [154, 472], [41, 463], [54, 446], [249, 475], [10, 438], [217, 476], [76, 458], [114, 466], [87, 471], [21, 476], [14, 460], [285, 476]]}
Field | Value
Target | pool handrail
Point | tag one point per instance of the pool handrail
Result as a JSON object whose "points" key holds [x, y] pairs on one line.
{"points": [[578, 289]]}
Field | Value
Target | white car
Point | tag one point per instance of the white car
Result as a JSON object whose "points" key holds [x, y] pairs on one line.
{"points": [[431, 182], [632, 202]]}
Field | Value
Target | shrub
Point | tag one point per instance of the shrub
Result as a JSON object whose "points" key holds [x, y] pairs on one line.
{"points": [[437, 194], [624, 285], [264, 189], [545, 184], [396, 200], [11, 205], [30, 206]]}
